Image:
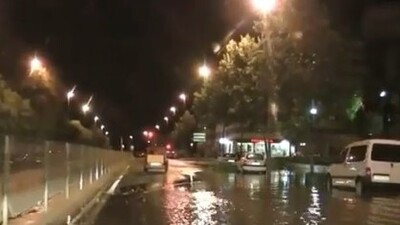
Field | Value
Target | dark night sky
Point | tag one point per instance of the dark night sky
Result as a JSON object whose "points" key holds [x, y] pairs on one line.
{"points": [[134, 56]]}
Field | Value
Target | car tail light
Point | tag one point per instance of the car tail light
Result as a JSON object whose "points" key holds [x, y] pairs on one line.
{"points": [[368, 173]]}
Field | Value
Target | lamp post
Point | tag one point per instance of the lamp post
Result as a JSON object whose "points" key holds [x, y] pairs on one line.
{"points": [[183, 97], [36, 65], [266, 7], [173, 110], [204, 71], [166, 119]]}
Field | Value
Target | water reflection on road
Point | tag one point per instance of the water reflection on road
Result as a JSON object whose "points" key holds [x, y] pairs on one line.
{"points": [[281, 197]]}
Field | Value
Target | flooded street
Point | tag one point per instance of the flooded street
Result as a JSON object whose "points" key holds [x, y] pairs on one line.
{"points": [[280, 197]]}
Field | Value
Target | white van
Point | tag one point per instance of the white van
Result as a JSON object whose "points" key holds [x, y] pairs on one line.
{"points": [[367, 162]]}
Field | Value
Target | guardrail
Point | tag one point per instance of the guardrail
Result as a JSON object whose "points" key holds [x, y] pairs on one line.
{"points": [[33, 171]]}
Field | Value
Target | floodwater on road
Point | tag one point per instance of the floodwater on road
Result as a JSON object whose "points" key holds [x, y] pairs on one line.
{"points": [[280, 197]]}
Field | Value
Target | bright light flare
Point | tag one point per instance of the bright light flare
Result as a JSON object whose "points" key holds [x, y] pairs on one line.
{"points": [[183, 97], [382, 94], [36, 65], [102, 127], [85, 108], [96, 118], [264, 6], [71, 93], [172, 109], [204, 71], [313, 111], [157, 127], [166, 119]]}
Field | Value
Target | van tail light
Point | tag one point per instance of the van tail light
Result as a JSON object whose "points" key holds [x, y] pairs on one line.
{"points": [[368, 173]]}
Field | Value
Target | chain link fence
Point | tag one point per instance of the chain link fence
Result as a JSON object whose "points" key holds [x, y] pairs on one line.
{"points": [[32, 171]]}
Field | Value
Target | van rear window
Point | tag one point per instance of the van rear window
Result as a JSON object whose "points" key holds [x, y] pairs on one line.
{"points": [[385, 153]]}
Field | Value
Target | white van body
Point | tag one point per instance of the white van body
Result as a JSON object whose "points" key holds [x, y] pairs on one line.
{"points": [[367, 162]]}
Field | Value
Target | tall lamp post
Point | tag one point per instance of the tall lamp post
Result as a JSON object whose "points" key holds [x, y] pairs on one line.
{"points": [[204, 71], [183, 97], [266, 7]]}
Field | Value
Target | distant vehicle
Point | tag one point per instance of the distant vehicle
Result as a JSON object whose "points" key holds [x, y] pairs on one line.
{"points": [[366, 163], [156, 159], [253, 162], [171, 153], [139, 154], [228, 157]]}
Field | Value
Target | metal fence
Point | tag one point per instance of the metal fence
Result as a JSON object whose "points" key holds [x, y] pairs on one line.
{"points": [[33, 171]]}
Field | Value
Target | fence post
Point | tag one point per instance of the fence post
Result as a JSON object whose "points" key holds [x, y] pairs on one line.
{"points": [[82, 162], [67, 158], [46, 175], [5, 180], [96, 163], [90, 164]]}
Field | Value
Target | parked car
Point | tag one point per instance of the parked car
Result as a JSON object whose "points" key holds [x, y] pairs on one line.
{"points": [[228, 157], [363, 164], [253, 162], [139, 154]]}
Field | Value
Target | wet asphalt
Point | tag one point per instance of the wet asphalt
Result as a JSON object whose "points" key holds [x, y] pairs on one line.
{"points": [[191, 195]]}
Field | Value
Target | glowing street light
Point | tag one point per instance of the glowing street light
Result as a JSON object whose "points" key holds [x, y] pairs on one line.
{"points": [[166, 119], [145, 133], [264, 6], [157, 127], [96, 118], [130, 137], [382, 94], [183, 98], [106, 133], [71, 93], [173, 110], [36, 65], [313, 111], [102, 127], [204, 71], [85, 108]]}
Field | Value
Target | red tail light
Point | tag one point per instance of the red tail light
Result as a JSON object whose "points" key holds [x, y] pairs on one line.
{"points": [[368, 172]]}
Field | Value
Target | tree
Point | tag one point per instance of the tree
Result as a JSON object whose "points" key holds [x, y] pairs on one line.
{"points": [[233, 95], [17, 115], [298, 59], [183, 130]]}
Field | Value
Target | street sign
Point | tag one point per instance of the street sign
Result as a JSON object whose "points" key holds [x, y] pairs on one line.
{"points": [[199, 137]]}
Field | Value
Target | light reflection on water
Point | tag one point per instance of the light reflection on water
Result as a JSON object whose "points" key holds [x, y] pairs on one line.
{"points": [[281, 197]]}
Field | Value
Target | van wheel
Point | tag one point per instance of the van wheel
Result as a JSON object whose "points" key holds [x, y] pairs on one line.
{"points": [[328, 183]]}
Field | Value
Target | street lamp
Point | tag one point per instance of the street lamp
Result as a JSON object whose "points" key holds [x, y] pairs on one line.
{"points": [[183, 98], [96, 118], [264, 6], [85, 108], [145, 133], [166, 119], [102, 127], [204, 71], [173, 110], [130, 137], [157, 127], [71, 93], [382, 94], [106, 133], [35, 65], [313, 111]]}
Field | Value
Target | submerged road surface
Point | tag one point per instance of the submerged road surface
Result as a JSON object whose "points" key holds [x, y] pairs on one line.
{"points": [[280, 197]]}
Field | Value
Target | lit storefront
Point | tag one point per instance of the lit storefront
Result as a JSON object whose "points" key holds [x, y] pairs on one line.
{"points": [[279, 147]]}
